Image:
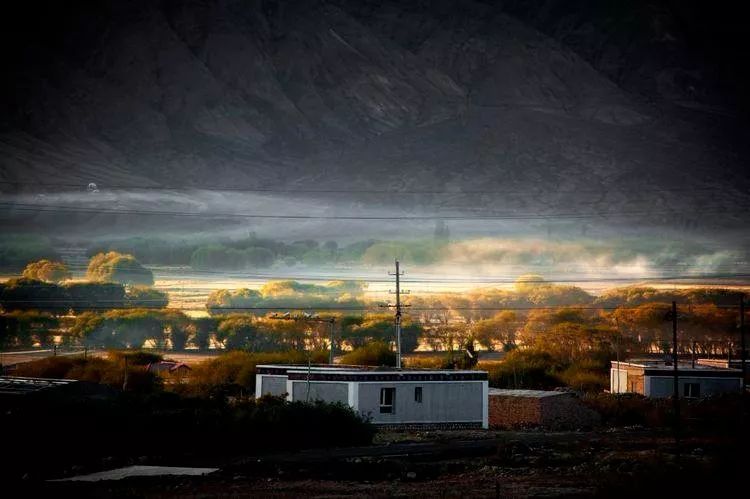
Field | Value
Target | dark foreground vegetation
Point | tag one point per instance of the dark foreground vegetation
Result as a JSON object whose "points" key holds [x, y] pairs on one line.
{"points": [[618, 460], [59, 435]]}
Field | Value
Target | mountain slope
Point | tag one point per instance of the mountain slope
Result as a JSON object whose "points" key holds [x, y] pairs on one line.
{"points": [[378, 94]]}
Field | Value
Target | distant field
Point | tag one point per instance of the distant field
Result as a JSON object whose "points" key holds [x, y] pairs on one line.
{"points": [[11, 358]]}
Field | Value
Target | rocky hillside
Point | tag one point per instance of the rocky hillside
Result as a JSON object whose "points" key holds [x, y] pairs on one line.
{"points": [[531, 99]]}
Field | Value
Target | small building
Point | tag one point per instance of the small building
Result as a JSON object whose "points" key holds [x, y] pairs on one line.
{"points": [[655, 378], [386, 396], [728, 364], [169, 371], [556, 410], [168, 368], [16, 389]]}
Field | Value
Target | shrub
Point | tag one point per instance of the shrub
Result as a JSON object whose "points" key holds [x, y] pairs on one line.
{"points": [[431, 362], [86, 296], [145, 297], [530, 369], [47, 271], [118, 267], [233, 373], [376, 353], [92, 369], [135, 357], [26, 294]]}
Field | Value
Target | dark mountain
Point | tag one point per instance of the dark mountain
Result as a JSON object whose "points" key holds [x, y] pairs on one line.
{"points": [[565, 106]]}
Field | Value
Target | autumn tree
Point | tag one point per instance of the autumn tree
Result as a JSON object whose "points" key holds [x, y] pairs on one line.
{"points": [[202, 328], [47, 271], [145, 297], [118, 267], [648, 324], [499, 329]]}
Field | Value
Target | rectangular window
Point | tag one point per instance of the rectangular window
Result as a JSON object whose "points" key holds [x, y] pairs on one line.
{"points": [[691, 390], [387, 395], [418, 394]]}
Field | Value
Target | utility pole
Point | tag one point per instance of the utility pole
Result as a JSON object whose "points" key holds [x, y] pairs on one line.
{"points": [[331, 353], [743, 354], [398, 306], [125, 373], [676, 381]]}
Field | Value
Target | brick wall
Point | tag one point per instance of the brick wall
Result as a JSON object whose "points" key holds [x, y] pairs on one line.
{"points": [[561, 411], [510, 411]]}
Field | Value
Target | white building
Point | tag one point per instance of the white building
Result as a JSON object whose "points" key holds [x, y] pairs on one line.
{"points": [[383, 395], [655, 378]]}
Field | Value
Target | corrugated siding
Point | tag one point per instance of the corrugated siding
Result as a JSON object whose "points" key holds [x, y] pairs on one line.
{"points": [[327, 392], [441, 402], [273, 385], [664, 386]]}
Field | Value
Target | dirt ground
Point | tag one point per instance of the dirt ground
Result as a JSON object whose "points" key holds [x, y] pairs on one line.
{"points": [[602, 463]]}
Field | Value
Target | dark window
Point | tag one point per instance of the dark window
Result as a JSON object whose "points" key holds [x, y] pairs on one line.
{"points": [[418, 394], [691, 390], [387, 395]]}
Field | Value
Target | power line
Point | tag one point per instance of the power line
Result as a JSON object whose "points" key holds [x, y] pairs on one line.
{"points": [[394, 191], [365, 307], [537, 216], [479, 280]]}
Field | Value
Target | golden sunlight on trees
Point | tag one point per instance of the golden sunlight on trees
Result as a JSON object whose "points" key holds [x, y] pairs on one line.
{"points": [[376, 353], [117, 267], [499, 329], [47, 271]]}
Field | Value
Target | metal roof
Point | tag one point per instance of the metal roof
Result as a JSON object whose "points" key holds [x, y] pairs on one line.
{"points": [[13, 385], [525, 393]]}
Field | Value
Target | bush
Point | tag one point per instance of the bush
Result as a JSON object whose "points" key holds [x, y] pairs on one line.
{"points": [[431, 362], [126, 425], [628, 409], [374, 354], [529, 369], [118, 267], [233, 373], [94, 370], [135, 357], [47, 271], [145, 297], [87, 296], [28, 294]]}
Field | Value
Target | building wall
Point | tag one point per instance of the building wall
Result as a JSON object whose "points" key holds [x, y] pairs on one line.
{"points": [[618, 380], [510, 412], [560, 411], [442, 401], [325, 391], [663, 386], [636, 383], [630, 380], [272, 385]]}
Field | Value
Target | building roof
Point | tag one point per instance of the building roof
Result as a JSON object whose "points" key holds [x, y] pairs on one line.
{"points": [[164, 365], [525, 393], [667, 365], [367, 373], [12, 385], [657, 367]]}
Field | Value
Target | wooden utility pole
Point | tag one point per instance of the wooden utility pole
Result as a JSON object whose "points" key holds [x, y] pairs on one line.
{"points": [[398, 306], [674, 356], [743, 354], [676, 396]]}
